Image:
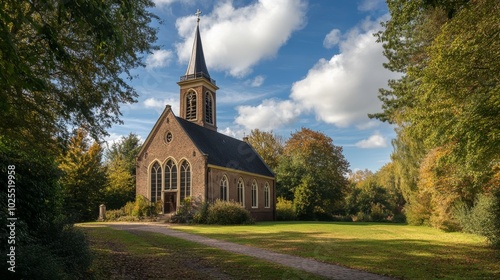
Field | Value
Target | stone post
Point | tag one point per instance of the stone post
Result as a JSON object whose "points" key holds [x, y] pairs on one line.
{"points": [[102, 212]]}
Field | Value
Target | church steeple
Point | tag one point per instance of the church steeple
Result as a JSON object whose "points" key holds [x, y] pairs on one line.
{"points": [[197, 65], [197, 88]]}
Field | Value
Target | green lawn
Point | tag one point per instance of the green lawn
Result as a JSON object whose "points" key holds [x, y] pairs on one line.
{"points": [[145, 255], [403, 251]]}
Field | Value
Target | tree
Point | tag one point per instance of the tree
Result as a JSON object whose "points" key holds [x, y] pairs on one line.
{"points": [[125, 149], [83, 178], [120, 172], [446, 105], [268, 145], [63, 64], [312, 172]]}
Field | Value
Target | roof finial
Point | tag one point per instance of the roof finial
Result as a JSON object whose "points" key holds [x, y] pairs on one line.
{"points": [[198, 13]]}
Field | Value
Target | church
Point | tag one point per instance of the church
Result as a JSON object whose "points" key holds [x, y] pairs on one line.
{"points": [[184, 156]]}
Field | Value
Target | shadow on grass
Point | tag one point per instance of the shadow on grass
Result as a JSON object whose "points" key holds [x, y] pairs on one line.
{"points": [[398, 257]]}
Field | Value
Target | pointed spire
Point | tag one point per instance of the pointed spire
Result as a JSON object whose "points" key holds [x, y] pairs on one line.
{"points": [[197, 67]]}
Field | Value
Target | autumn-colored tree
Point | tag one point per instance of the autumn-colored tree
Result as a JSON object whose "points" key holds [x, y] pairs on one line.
{"points": [[83, 178], [374, 196], [312, 173], [446, 105], [120, 171], [268, 145]]}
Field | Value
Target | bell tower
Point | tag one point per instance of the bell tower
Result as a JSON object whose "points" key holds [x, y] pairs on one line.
{"points": [[197, 89]]}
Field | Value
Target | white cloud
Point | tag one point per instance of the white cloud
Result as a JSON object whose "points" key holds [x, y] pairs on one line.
{"points": [[159, 58], [241, 37], [162, 3], [111, 139], [332, 39], [269, 115], [369, 124], [343, 90], [370, 5], [233, 132], [257, 81], [159, 104], [374, 141]]}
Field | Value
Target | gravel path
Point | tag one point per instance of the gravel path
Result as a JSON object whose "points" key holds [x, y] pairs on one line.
{"points": [[328, 270]]}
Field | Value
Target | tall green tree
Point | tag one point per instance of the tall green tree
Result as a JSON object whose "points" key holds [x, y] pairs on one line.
{"points": [[83, 178], [65, 63], [268, 145], [446, 105], [120, 171], [125, 149], [313, 171]]}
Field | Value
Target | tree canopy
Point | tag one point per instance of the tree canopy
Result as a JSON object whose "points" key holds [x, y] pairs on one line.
{"points": [[446, 106], [268, 145], [312, 172], [64, 64]]}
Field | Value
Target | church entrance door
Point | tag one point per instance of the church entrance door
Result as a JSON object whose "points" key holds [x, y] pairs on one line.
{"points": [[170, 204]]}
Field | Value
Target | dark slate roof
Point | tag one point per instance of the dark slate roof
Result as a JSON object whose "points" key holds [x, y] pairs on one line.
{"points": [[225, 151], [197, 65]]}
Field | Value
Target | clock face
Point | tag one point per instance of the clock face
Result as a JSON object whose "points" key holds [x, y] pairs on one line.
{"points": [[168, 137]]}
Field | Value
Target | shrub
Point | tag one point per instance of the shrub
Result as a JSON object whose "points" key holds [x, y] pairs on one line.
{"points": [[134, 210], [185, 212], [201, 216], [228, 213], [285, 210], [378, 212], [143, 207], [483, 218], [114, 215], [66, 256], [361, 217]]}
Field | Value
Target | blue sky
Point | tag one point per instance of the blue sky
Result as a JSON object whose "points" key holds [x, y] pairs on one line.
{"points": [[280, 65]]}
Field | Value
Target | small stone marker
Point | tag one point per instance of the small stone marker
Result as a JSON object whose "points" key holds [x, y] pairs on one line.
{"points": [[102, 212]]}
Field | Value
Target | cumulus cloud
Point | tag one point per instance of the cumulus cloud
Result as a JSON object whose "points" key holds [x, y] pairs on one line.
{"points": [[343, 89], [332, 39], [158, 59], [241, 37], [268, 115], [374, 141], [159, 104]]}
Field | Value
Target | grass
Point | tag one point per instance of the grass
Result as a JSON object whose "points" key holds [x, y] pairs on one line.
{"points": [[145, 255], [401, 251]]}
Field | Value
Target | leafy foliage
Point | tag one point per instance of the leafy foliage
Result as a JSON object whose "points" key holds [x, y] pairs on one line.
{"points": [[482, 218], [285, 210], [311, 173], [374, 197], [228, 213], [268, 145], [42, 231], [445, 105], [83, 178], [64, 64]]}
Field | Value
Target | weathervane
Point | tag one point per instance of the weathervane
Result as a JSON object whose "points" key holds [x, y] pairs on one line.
{"points": [[198, 13]]}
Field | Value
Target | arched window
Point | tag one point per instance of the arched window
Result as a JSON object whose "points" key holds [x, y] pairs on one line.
{"points": [[170, 175], [241, 192], [224, 188], [255, 193], [267, 196], [155, 182], [209, 113], [191, 106], [185, 180]]}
